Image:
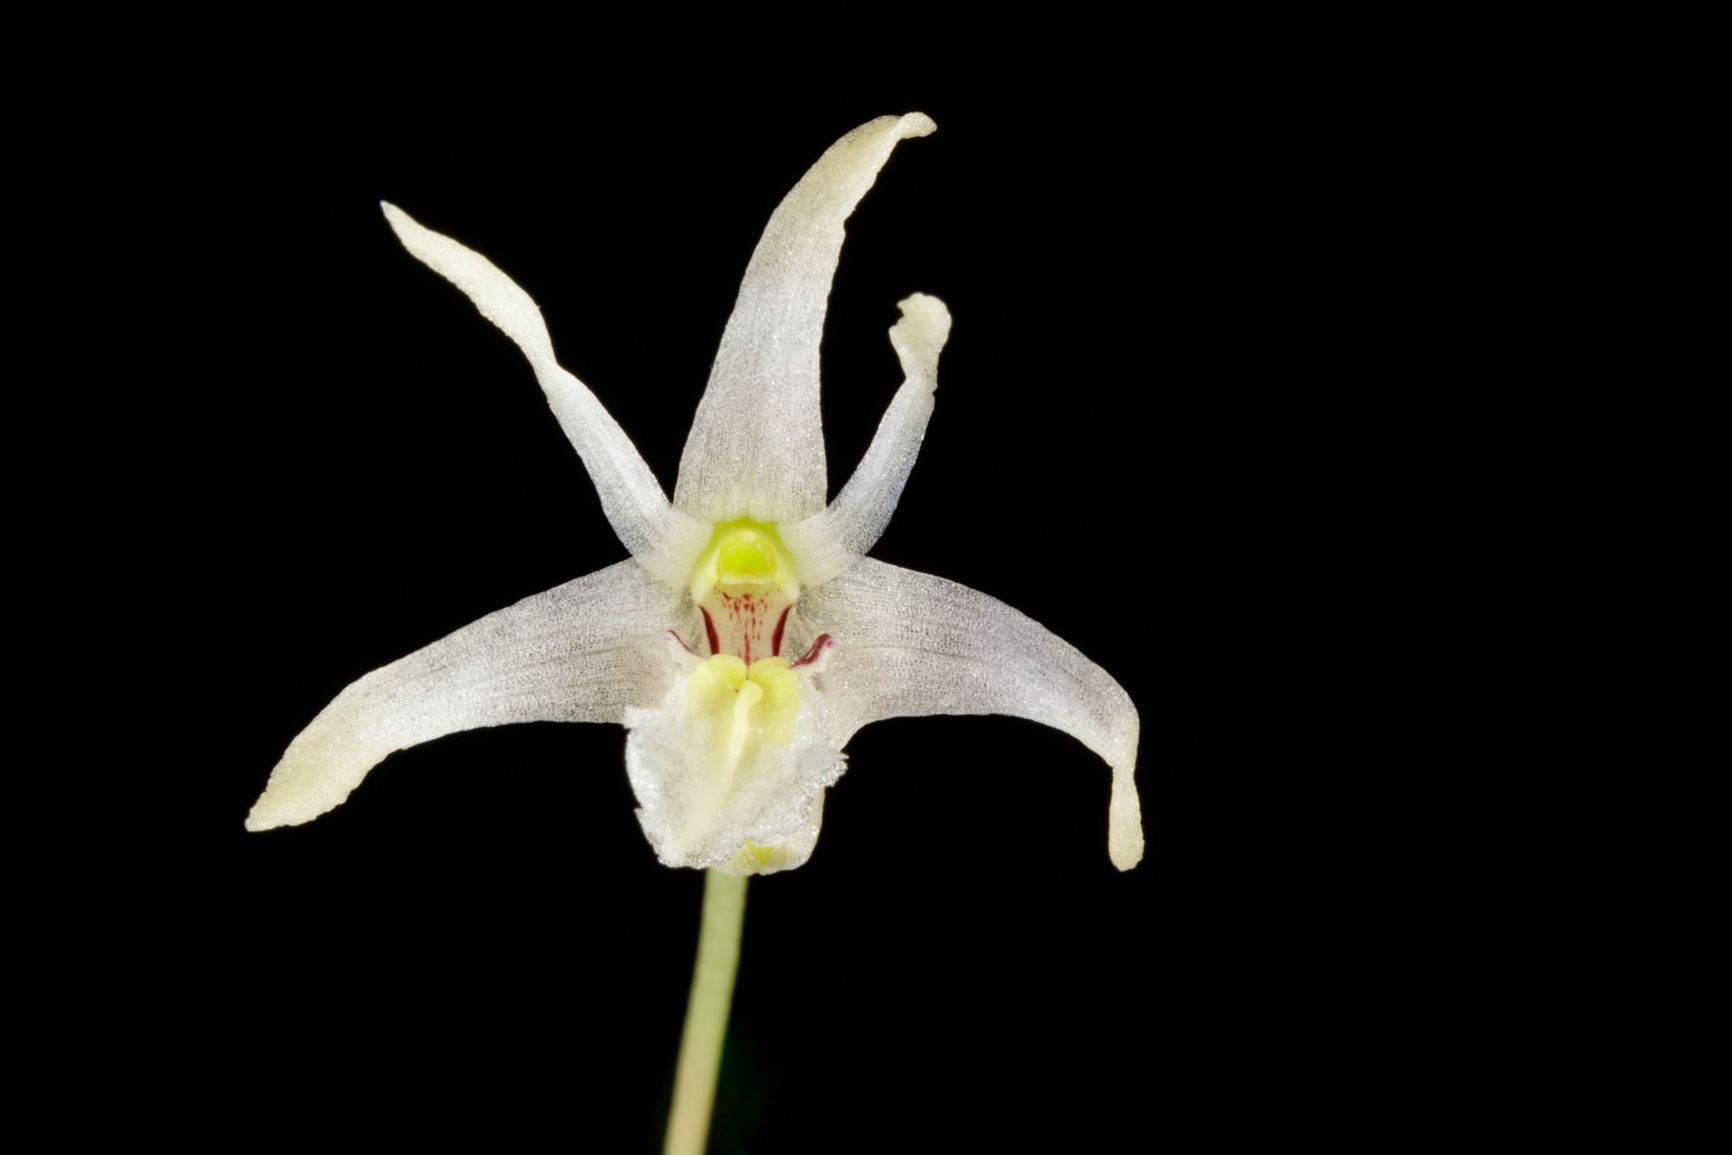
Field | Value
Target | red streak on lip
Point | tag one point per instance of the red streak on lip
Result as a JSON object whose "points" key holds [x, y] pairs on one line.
{"points": [[776, 638], [819, 644], [710, 629]]}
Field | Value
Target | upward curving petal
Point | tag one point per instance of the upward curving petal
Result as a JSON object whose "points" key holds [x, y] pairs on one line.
{"points": [[910, 643], [584, 651], [829, 541], [660, 537], [756, 448]]}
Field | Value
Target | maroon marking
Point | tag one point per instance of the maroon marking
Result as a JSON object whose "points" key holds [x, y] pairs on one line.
{"points": [[820, 645], [776, 638], [710, 629], [682, 642]]}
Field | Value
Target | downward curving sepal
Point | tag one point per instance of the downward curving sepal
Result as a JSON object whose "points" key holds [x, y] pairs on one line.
{"points": [[581, 652], [756, 448], [910, 643]]}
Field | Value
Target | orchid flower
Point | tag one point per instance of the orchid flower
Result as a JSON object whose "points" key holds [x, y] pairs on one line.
{"points": [[748, 637]]}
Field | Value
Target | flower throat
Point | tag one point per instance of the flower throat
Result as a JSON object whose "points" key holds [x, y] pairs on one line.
{"points": [[744, 585]]}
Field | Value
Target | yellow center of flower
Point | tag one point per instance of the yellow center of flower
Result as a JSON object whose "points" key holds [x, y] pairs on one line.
{"points": [[743, 700], [744, 583], [745, 557], [743, 707]]}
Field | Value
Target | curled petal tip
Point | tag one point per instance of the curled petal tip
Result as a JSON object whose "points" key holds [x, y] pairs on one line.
{"points": [[921, 300], [1124, 822], [920, 334], [917, 124], [925, 309]]}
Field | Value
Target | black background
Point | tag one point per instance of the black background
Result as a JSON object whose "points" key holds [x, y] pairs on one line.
{"points": [[1166, 296]]}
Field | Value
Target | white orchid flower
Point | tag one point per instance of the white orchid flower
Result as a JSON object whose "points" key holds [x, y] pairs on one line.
{"points": [[749, 636]]}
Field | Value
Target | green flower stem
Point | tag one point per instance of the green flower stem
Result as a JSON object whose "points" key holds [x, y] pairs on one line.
{"points": [[707, 1013]]}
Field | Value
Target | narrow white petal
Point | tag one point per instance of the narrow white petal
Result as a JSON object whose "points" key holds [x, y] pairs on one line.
{"points": [[756, 448], [581, 652], [828, 542], [661, 538], [910, 643]]}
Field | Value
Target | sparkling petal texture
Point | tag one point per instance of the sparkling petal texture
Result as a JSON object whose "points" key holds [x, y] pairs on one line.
{"points": [[658, 536], [910, 643], [580, 652], [696, 817], [756, 447], [829, 542]]}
